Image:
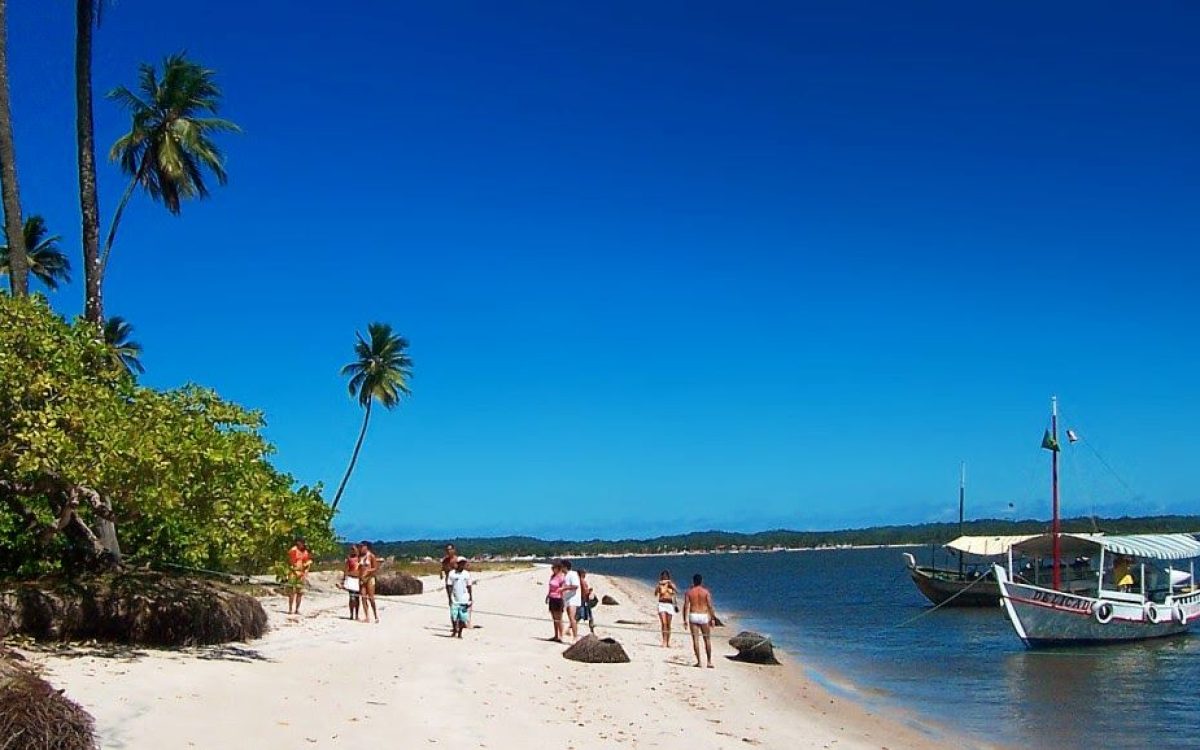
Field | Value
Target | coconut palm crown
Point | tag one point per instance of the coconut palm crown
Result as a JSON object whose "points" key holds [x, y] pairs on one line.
{"points": [[380, 373], [128, 353], [169, 145], [47, 262]]}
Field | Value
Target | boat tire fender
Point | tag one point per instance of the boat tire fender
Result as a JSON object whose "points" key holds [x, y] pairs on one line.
{"points": [[1103, 612], [1180, 614], [1151, 612]]}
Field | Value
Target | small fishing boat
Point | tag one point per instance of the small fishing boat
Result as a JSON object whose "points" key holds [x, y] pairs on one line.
{"points": [[971, 585], [1116, 588]]}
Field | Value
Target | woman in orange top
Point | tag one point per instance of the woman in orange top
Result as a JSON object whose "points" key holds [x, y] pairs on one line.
{"points": [[299, 561]]}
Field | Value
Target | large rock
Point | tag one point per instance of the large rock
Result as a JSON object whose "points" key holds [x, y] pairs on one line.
{"points": [[397, 584], [606, 599], [753, 647], [35, 716], [593, 650]]}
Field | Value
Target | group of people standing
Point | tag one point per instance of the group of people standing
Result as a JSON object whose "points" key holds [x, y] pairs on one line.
{"points": [[569, 592], [358, 579]]}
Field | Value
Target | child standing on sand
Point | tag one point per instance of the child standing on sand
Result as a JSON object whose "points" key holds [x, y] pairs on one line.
{"points": [[584, 613]]}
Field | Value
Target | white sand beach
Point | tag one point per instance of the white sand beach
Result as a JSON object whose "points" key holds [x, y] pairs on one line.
{"points": [[322, 681]]}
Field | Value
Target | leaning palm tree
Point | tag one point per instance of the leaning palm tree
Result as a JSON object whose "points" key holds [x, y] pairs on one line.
{"points": [[10, 196], [125, 351], [381, 373], [47, 262], [169, 144]]}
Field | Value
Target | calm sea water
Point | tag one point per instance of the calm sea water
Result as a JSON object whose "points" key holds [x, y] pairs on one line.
{"points": [[962, 668]]}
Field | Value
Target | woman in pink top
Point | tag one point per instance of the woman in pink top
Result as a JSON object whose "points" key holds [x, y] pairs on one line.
{"points": [[554, 598]]}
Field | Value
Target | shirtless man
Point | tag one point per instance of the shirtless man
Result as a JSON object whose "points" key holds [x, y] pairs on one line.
{"points": [[698, 616], [449, 561]]}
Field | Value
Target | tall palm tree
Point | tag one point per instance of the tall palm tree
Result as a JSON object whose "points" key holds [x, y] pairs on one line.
{"points": [[381, 373], [10, 195], [125, 350], [87, 17], [169, 144], [47, 262]]}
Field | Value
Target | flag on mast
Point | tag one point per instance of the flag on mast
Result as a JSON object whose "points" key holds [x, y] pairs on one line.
{"points": [[1049, 443]]}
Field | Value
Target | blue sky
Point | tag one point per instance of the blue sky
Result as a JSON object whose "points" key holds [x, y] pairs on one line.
{"points": [[670, 266]]}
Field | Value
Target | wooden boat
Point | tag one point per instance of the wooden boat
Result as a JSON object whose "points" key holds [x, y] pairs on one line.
{"points": [[1134, 599], [971, 585]]}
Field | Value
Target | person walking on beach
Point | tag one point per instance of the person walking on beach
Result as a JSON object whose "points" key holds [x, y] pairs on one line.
{"points": [[698, 616], [572, 598], [584, 613], [554, 599], [665, 593], [459, 592], [350, 580], [368, 566], [299, 561], [449, 561]]}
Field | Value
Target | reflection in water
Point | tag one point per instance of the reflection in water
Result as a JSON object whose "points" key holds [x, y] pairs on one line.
{"points": [[837, 610]]}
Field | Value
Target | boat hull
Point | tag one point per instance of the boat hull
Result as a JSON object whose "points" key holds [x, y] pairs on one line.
{"points": [[1044, 617], [954, 592]]}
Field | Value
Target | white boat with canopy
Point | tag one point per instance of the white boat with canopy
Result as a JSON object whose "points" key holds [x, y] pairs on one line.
{"points": [[1115, 587]]}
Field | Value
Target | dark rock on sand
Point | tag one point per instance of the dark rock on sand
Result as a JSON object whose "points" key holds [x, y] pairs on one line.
{"points": [[138, 608], [606, 599], [717, 622], [593, 650], [753, 647], [35, 716], [397, 584]]}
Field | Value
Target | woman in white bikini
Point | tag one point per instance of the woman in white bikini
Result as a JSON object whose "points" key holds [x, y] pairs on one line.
{"points": [[665, 593]]}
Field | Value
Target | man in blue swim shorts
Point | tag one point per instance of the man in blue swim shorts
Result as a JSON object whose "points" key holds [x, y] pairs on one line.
{"points": [[459, 589]]}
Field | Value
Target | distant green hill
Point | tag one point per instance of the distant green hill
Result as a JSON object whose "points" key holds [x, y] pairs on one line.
{"points": [[926, 533]]}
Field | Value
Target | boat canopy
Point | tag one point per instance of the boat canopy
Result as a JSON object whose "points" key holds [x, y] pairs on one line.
{"points": [[986, 546], [1155, 546]]}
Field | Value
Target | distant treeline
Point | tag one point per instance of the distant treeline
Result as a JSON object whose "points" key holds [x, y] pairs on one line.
{"points": [[926, 533]]}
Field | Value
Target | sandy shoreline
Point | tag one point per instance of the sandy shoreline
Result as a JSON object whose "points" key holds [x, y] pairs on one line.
{"points": [[320, 680]]}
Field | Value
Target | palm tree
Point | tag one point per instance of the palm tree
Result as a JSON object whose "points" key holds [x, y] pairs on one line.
{"points": [[381, 373], [169, 144], [10, 195], [125, 351], [87, 17], [46, 262]]}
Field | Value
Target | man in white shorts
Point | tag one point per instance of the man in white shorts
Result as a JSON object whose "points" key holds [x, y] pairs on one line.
{"points": [[698, 616]]}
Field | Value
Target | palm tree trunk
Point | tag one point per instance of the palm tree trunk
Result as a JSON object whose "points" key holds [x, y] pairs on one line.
{"points": [[14, 230], [89, 203], [337, 497], [112, 230]]}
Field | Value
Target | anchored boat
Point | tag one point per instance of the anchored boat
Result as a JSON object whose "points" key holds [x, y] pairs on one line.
{"points": [[971, 585], [1115, 588]]}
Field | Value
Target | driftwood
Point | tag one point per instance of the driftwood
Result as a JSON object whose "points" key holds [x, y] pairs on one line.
{"points": [[397, 584], [35, 716], [100, 548], [593, 650], [149, 609], [753, 647]]}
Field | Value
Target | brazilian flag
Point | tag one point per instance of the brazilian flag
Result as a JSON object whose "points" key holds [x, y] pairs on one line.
{"points": [[1049, 443]]}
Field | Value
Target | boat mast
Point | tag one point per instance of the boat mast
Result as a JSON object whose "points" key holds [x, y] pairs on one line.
{"points": [[962, 493], [1054, 529]]}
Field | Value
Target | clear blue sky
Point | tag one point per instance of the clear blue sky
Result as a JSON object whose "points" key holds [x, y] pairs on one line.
{"points": [[671, 266]]}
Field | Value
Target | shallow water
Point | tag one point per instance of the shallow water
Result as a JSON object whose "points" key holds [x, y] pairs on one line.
{"points": [[965, 669]]}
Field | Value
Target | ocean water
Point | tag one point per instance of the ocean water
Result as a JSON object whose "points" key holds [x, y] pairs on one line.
{"points": [[962, 668]]}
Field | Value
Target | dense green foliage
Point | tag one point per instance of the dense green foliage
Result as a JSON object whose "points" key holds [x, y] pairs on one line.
{"points": [[186, 472], [926, 533]]}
